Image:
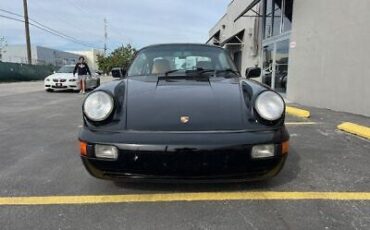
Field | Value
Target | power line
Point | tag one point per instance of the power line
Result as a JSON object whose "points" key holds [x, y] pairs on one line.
{"points": [[46, 29], [14, 19], [65, 21], [51, 29], [78, 7], [114, 32]]}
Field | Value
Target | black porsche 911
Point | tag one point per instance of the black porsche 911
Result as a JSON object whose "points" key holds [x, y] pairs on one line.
{"points": [[182, 112]]}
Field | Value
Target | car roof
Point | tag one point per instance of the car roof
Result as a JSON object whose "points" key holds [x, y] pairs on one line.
{"points": [[180, 44]]}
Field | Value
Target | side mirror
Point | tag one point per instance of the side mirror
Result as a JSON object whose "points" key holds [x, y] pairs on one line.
{"points": [[118, 73], [54, 71], [253, 72]]}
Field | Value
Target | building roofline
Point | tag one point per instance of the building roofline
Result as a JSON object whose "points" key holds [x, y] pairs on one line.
{"points": [[249, 7]]}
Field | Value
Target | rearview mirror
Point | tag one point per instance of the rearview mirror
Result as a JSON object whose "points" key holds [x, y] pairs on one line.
{"points": [[253, 72], [118, 72]]}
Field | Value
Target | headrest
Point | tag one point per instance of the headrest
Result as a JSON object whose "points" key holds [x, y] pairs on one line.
{"points": [[204, 65], [160, 66]]}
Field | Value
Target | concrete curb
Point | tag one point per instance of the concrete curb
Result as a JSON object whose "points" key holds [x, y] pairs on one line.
{"points": [[297, 112], [359, 130]]}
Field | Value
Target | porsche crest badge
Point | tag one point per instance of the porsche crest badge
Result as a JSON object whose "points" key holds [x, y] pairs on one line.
{"points": [[184, 119]]}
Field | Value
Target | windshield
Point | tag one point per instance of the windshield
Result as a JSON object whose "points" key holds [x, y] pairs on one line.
{"points": [[159, 60], [66, 69]]}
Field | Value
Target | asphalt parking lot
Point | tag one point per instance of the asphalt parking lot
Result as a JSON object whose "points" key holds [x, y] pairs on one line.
{"points": [[39, 158]]}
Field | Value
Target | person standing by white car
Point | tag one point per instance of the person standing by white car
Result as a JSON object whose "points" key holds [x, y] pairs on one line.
{"points": [[82, 70]]}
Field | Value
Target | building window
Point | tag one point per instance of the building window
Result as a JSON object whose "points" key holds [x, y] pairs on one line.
{"points": [[278, 17], [281, 66], [288, 15], [276, 29], [267, 64], [268, 18]]}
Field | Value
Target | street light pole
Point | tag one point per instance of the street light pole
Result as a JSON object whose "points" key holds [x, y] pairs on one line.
{"points": [[27, 29]]}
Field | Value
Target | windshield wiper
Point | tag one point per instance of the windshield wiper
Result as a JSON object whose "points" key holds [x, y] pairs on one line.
{"points": [[216, 72], [171, 71], [167, 76], [227, 71], [186, 75]]}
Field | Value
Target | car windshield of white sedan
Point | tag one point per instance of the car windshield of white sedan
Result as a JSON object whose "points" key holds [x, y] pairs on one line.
{"points": [[159, 60], [66, 69]]}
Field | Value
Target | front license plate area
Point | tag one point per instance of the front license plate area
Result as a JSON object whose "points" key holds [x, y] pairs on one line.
{"points": [[186, 163]]}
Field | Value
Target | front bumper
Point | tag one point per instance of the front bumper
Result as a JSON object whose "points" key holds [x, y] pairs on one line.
{"points": [[67, 85], [184, 157]]}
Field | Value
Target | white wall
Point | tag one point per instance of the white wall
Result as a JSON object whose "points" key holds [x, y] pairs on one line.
{"points": [[55, 57], [249, 58], [40, 55], [330, 65], [18, 54]]}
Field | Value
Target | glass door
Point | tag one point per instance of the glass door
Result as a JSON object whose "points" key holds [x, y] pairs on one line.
{"points": [[267, 64], [275, 65], [281, 65]]}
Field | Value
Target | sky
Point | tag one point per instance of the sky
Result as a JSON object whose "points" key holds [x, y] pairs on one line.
{"points": [[138, 22]]}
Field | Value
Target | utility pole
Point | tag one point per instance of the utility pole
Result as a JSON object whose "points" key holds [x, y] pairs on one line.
{"points": [[26, 25], [105, 35]]}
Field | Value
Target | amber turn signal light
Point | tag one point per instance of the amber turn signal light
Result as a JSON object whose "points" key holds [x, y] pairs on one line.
{"points": [[285, 147], [83, 148]]}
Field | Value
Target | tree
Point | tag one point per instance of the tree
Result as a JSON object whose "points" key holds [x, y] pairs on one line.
{"points": [[120, 57]]}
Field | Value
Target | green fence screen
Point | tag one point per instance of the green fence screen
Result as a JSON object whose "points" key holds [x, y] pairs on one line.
{"points": [[10, 72]]}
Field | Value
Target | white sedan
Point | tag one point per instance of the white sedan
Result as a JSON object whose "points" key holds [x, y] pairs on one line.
{"points": [[63, 79]]}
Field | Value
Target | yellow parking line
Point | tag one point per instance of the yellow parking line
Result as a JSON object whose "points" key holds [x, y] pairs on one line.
{"points": [[359, 130], [180, 197], [297, 112], [301, 123]]}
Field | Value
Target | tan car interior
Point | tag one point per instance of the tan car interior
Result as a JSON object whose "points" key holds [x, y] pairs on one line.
{"points": [[161, 66]]}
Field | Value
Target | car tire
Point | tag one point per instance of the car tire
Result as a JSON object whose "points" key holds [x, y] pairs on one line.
{"points": [[49, 90]]}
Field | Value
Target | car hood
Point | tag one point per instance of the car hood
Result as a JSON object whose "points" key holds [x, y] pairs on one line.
{"points": [[61, 76], [215, 104]]}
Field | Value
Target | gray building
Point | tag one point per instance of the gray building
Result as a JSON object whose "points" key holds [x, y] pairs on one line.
{"points": [[315, 52], [40, 55]]}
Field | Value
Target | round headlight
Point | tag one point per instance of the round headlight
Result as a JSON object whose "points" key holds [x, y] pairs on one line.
{"points": [[269, 105], [98, 106]]}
